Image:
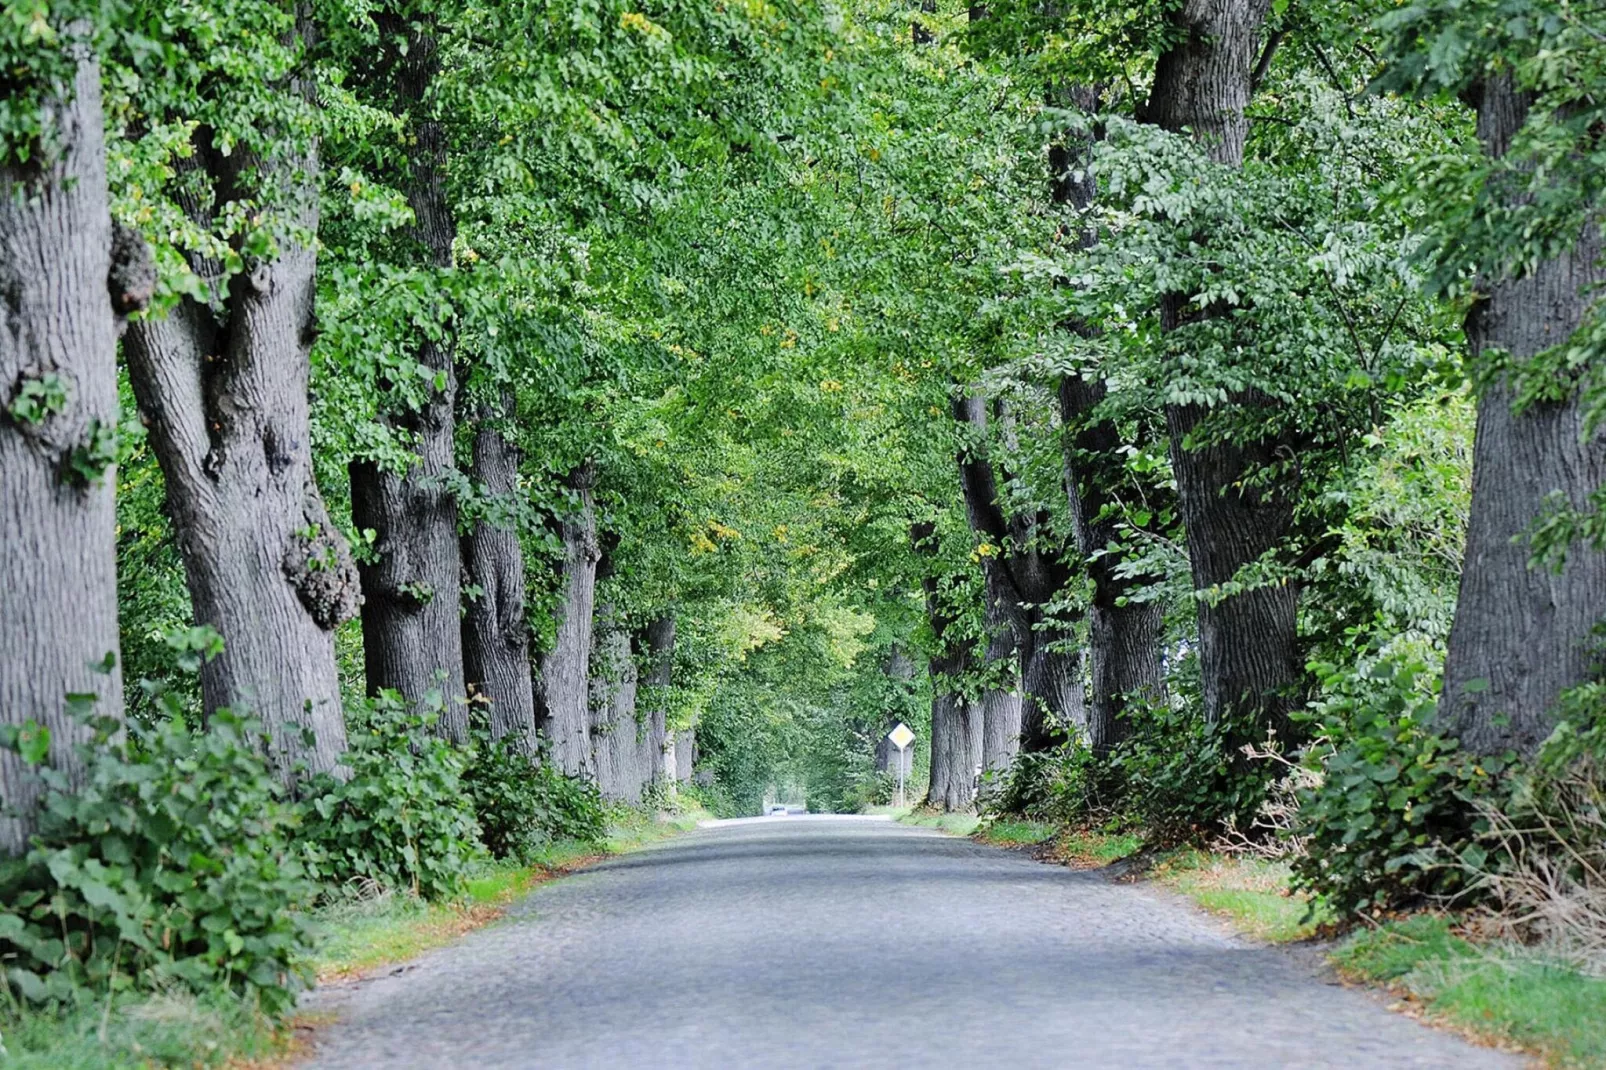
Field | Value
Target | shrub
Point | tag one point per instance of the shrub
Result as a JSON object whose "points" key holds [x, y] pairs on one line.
{"points": [[1069, 785], [523, 803], [403, 818], [171, 862], [1186, 778], [1395, 804]]}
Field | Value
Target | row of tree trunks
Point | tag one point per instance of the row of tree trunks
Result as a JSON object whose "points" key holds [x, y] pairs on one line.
{"points": [[58, 586], [223, 388], [1524, 634], [411, 625], [1248, 658], [563, 691], [1022, 577]]}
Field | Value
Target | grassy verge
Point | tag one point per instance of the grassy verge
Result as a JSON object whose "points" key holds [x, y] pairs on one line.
{"points": [[364, 936], [1251, 893], [1498, 992], [181, 1030], [162, 1030], [953, 824]]}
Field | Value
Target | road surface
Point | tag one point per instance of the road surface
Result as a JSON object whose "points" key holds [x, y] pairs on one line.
{"points": [[819, 942]]}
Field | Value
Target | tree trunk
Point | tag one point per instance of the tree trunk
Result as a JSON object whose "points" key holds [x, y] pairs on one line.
{"points": [[411, 622], [685, 754], [563, 693], [658, 643], [58, 388], [956, 737], [1021, 579], [615, 735], [496, 636], [1124, 636], [1248, 660], [1524, 634], [224, 392]]}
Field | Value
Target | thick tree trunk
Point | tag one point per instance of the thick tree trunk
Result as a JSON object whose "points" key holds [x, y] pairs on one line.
{"points": [[58, 391], [1248, 659], [955, 743], [658, 646], [563, 692], [496, 636], [224, 392], [685, 754], [615, 734], [1124, 636], [1524, 634], [956, 722], [411, 623]]}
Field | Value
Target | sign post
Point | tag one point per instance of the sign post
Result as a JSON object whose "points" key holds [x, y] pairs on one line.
{"points": [[901, 737]]}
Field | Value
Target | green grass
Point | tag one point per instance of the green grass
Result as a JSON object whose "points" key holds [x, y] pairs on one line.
{"points": [[364, 935], [1498, 991], [1015, 832], [163, 1030], [1252, 893], [1091, 848], [953, 824]]}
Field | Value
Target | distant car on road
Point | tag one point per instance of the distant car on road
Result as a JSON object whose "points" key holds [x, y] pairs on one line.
{"points": [[777, 810]]}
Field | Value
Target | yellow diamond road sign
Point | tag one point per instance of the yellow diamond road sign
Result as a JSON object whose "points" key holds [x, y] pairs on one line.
{"points": [[901, 736]]}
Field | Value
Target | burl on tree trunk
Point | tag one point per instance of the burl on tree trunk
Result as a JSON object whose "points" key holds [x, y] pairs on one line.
{"points": [[67, 286], [1524, 633]]}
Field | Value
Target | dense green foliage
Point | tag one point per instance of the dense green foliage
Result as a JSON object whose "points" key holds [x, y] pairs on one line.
{"points": [[400, 815], [172, 863], [897, 355], [520, 807]]}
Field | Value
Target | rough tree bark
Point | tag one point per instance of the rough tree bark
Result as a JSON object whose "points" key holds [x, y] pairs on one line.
{"points": [[1124, 637], [563, 691], [223, 388], [685, 754], [1524, 634], [411, 624], [955, 722], [65, 293], [615, 734], [657, 644], [1022, 577], [496, 636], [1248, 662]]}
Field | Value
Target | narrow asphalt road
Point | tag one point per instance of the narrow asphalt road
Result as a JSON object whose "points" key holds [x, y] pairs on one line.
{"points": [[818, 942]]}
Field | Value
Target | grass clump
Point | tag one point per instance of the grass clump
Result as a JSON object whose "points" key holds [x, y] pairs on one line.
{"points": [[1498, 991], [1253, 893], [174, 1028], [1004, 832], [953, 824]]}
